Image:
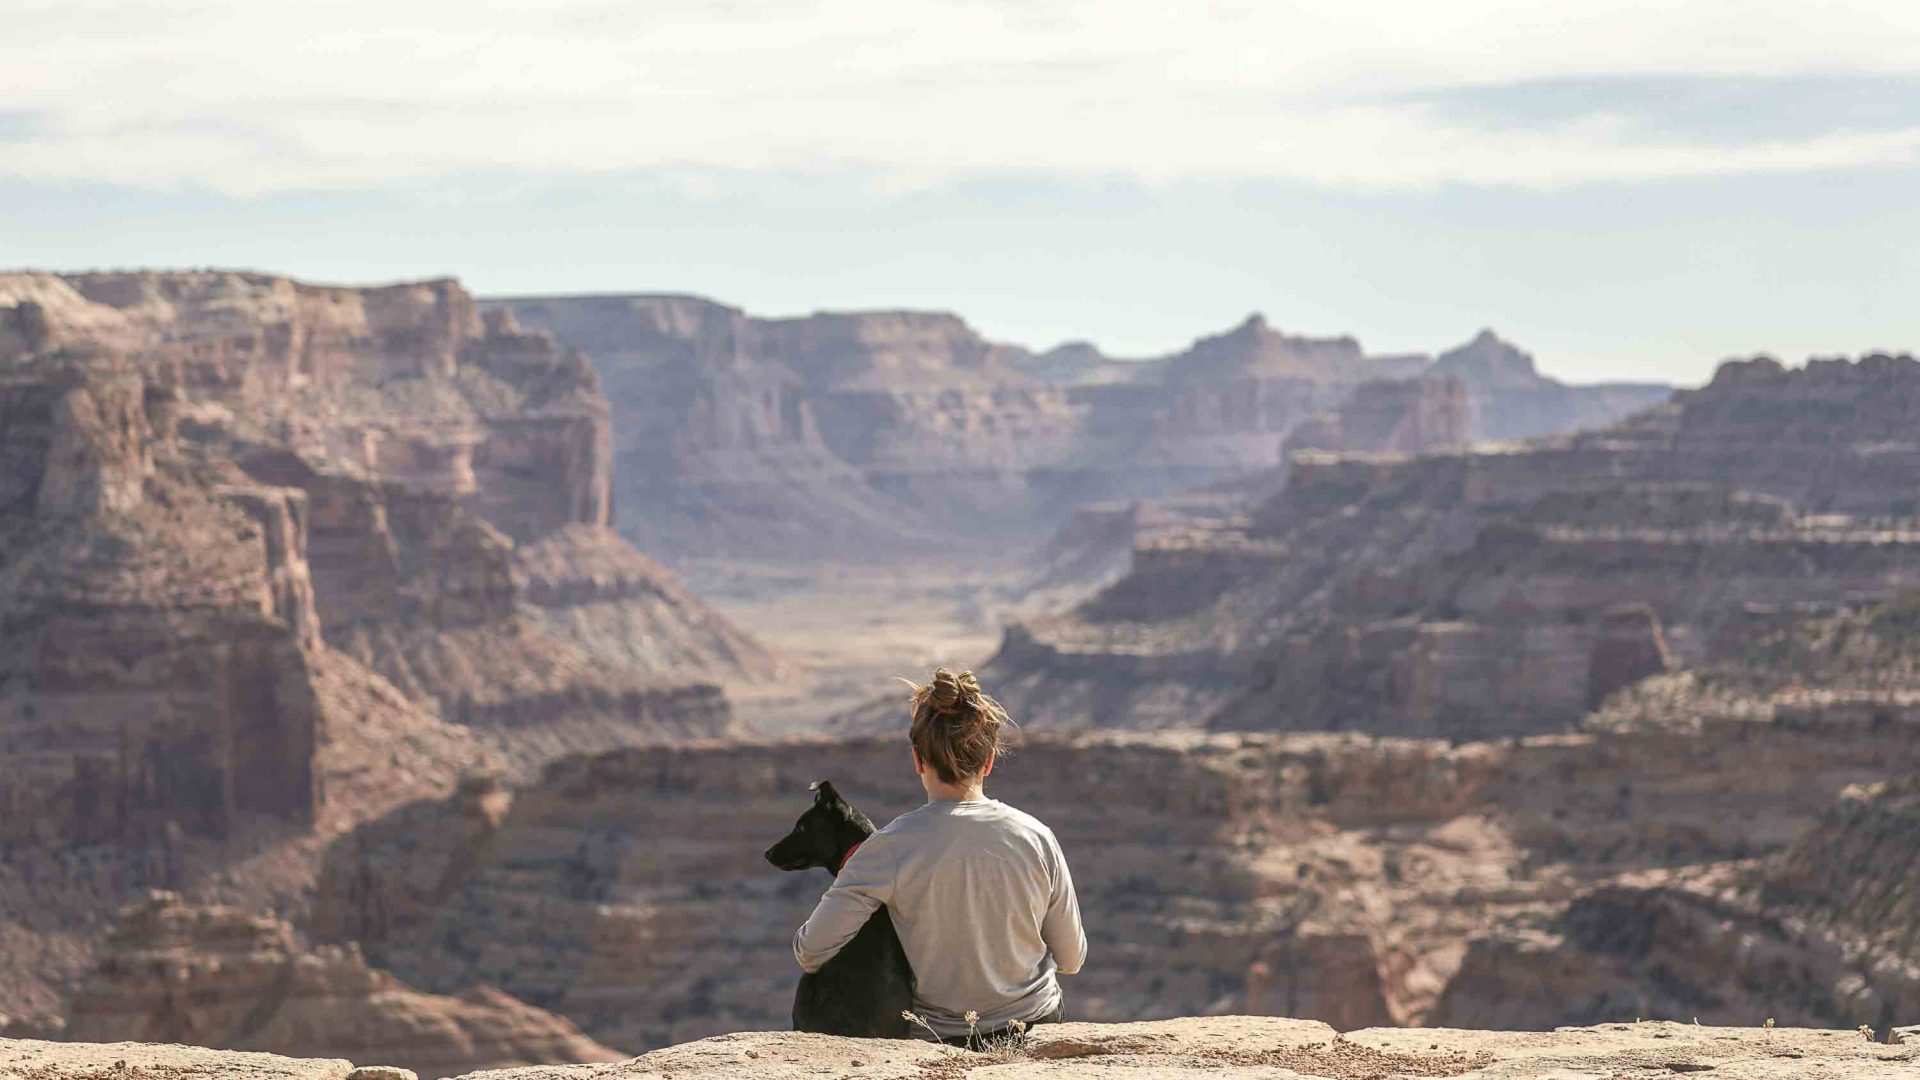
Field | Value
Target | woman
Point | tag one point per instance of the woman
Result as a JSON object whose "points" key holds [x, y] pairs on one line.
{"points": [[979, 892]]}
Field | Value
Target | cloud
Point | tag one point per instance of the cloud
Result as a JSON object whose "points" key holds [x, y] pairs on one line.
{"points": [[1723, 109], [246, 98], [18, 125]]}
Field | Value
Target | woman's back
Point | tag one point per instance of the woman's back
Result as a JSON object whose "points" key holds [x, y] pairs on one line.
{"points": [[984, 905]]}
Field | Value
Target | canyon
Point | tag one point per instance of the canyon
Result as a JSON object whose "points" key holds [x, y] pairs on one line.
{"points": [[880, 491], [1501, 589], [375, 682], [1356, 879], [899, 434], [275, 557], [175, 972]]}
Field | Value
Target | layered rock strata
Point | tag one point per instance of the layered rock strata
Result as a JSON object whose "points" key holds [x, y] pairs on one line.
{"points": [[276, 557], [1341, 878], [403, 456], [1820, 932], [1508, 398], [175, 972], [906, 433], [1483, 592], [159, 631], [1392, 416]]}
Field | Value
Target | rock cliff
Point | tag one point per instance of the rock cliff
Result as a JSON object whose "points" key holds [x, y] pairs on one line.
{"points": [[1509, 399], [897, 433], [1353, 879], [424, 479], [1482, 592], [213, 976], [276, 557], [158, 658], [1393, 416], [1821, 932]]}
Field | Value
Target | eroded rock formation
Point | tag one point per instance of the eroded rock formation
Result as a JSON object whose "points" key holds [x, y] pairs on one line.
{"points": [[402, 458], [895, 433], [1818, 930], [276, 557], [1348, 878], [157, 661], [1483, 592], [175, 972], [1509, 399], [1393, 416]]}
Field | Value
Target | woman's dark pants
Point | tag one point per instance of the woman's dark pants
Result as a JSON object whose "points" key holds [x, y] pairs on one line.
{"points": [[980, 1040]]}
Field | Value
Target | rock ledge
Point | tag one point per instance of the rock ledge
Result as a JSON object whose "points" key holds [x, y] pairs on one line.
{"points": [[1218, 1048]]}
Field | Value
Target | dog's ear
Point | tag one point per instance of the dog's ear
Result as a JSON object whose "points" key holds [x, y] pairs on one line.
{"points": [[823, 792]]}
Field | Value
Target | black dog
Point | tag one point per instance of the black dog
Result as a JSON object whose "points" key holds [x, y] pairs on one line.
{"points": [[866, 987]]}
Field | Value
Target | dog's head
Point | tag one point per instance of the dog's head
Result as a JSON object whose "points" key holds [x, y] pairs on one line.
{"points": [[823, 835]]}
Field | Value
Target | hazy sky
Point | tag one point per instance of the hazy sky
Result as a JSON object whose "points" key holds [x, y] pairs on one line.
{"points": [[1630, 190]]}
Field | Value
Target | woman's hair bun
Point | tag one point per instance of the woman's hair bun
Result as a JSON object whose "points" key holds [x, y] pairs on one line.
{"points": [[956, 726], [950, 689]]}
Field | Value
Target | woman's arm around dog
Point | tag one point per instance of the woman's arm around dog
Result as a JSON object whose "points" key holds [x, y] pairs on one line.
{"points": [[863, 885]]}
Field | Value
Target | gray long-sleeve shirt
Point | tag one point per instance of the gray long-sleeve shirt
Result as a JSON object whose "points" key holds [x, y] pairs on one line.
{"points": [[981, 897]]}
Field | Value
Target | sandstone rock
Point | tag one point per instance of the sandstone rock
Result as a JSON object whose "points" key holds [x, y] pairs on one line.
{"points": [[394, 448], [98, 459], [213, 976], [1465, 594], [1858, 870], [379, 750], [262, 577], [1688, 945], [382, 1072], [594, 589], [1251, 1047], [1224, 1046], [1339, 878], [25, 1059], [903, 434], [1631, 647], [1393, 416], [1509, 399], [157, 667]]}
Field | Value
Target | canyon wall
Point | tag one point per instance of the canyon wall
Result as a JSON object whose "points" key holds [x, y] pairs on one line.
{"points": [[1824, 926], [1509, 399], [213, 976], [276, 556], [158, 630], [433, 485], [907, 433], [1820, 930], [1488, 591], [1355, 879], [312, 604], [1393, 416]]}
